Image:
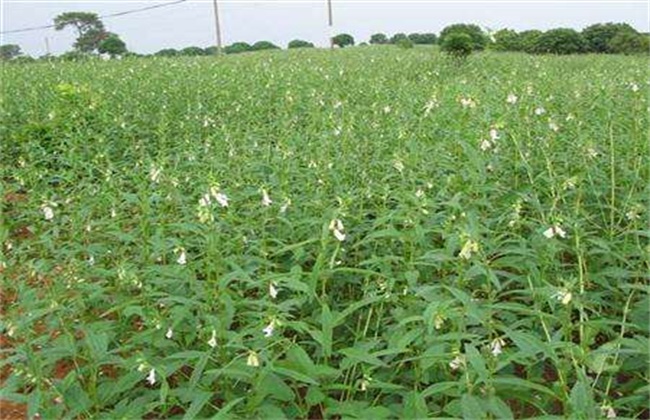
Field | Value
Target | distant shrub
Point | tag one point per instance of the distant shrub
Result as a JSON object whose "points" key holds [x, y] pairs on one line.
{"points": [[560, 41], [397, 37], [192, 51], [167, 52], [299, 43], [343, 40], [458, 45], [264, 45], [74, 56], [423, 39], [478, 38], [599, 36], [9, 51], [378, 39], [404, 43], [506, 40], [237, 48], [629, 43], [528, 40]]}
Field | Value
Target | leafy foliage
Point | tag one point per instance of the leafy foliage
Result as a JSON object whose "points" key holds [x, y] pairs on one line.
{"points": [[507, 40], [9, 51], [627, 42], [560, 41], [343, 40], [599, 36], [379, 39], [458, 45], [264, 45], [296, 236], [90, 29], [478, 38], [424, 39], [112, 45], [299, 43], [237, 47]]}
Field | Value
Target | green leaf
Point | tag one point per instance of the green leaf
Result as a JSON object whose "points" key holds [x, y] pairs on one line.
{"points": [[415, 407], [222, 414], [472, 407], [582, 401], [198, 402]]}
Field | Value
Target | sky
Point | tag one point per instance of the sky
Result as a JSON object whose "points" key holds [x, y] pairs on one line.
{"points": [[279, 21]]}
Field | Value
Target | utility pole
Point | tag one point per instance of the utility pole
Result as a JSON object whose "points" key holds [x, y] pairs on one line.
{"points": [[47, 46], [331, 22], [217, 26]]}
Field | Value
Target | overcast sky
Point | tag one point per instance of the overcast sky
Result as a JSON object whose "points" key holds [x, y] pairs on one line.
{"points": [[192, 22]]}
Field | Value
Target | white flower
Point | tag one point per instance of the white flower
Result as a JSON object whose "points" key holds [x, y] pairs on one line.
{"points": [[268, 330], [169, 334], [252, 359], [365, 381], [438, 321], [151, 377], [553, 126], [467, 102], [540, 111], [212, 342], [592, 153], [563, 296], [285, 206], [469, 247], [266, 200], [113, 213], [336, 226], [154, 174], [398, 165], [182, 258], [496, 346], [419, 193], [553, 231], [429, 106], [486, 145], [608, 411], [457, 362], [386, 109], [634, 87], [512, 99], [91, 260], [222, 199], [205, 200], [48, 212], [273, 291], [494, 134]]}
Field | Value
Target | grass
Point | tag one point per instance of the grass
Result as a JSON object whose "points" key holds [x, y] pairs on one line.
{"points": [[494, 261]]}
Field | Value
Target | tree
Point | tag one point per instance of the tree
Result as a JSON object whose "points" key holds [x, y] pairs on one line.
{"points": [[264, 45], [90, 30], [404, 43], [343, 40], [476, 34], [299, 43], [423, 39], [378, 39], [528, 40], [506, 40], [237, 47], [395, 38], [9, 51], [112, 45], [167, 52], [560, 41], [459, 44], [192, 51], [598, 36], [626, 42]]}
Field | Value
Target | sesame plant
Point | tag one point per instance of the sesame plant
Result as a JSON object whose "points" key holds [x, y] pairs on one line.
{"points": [[360, 233]]}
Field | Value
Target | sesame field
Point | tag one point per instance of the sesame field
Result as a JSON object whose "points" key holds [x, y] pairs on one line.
{"points": [[361, 233]]}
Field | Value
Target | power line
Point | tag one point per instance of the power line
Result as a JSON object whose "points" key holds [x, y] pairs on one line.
{"points": [[110, 15]]}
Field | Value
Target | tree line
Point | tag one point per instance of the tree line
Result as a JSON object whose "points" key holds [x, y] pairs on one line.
{"points": [[457, 39]]}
